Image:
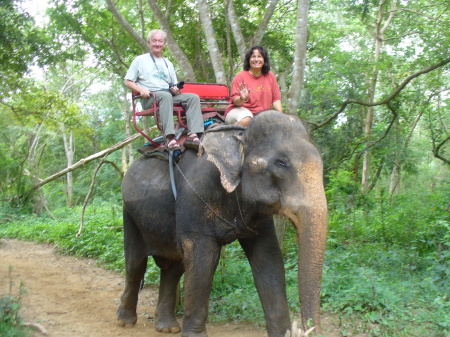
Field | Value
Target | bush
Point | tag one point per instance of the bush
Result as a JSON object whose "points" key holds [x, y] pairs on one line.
{"points": [[388, 262], [10, 320], [386, 269]]}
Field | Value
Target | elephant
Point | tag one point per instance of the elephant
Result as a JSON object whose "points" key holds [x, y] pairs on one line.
{"points": [[227, 190]]}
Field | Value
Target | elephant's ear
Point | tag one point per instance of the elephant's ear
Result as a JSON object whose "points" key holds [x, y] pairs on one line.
{"points": [[224, 146]]}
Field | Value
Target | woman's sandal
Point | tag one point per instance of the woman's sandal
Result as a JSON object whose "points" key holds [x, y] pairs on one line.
{"points": [[173, 145], [192, 141]]}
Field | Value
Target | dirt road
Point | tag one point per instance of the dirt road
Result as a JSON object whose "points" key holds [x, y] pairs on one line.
{"points": [[73, 297]]}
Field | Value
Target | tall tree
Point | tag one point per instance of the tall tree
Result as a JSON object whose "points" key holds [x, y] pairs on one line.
{"points": [[357, 76], [213, 48], [386, 12], [301, 37], [331, 71]]}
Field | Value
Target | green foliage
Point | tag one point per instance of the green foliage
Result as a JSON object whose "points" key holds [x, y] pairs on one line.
{"points": [[415, 220], [386, 270], [234, 295], [388, 261], [101, 237], [386, 289], [10, 320], [19, 38]]}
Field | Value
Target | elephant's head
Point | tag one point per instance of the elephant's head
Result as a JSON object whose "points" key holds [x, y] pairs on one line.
{"points": [[278, 166]]}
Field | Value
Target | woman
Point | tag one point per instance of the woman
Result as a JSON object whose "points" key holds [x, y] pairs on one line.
{"points": [[253, 90]]}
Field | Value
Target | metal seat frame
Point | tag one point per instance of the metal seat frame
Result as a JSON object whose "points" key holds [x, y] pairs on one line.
{"points": [[214, 98]]}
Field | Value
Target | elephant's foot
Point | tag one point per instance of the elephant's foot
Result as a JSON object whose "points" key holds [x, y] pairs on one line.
{"points": [[167, 325], [126, 317]]}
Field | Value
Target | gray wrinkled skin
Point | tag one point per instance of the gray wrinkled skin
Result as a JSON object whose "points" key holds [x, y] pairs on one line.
{"points": [[228, 191]]}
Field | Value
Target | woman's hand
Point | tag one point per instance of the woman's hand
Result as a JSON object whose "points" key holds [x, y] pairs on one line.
{"points": [[243, 92]]}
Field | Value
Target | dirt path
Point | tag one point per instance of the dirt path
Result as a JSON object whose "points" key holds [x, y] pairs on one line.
{"points": [[73, 297]]}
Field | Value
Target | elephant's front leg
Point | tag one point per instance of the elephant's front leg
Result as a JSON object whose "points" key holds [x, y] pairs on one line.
{"points": [[200, 256], [266, 260]]}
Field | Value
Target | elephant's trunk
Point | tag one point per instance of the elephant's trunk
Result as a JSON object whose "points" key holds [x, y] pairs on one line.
{"points": [[311, 235], [308, 211]]}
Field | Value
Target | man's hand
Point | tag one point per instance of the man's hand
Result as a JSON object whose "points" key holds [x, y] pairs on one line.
{"points": [[144, 93], [175, 90]]}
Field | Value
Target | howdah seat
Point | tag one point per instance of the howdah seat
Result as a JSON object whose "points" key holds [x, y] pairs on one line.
{"points": [[214, 98]]}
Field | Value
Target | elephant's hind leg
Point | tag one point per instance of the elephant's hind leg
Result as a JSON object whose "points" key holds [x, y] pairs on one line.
{"points": [[135, 265], [171, 272]]}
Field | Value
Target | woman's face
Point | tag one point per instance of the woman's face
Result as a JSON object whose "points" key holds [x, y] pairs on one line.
{"points": [[256, 60]]}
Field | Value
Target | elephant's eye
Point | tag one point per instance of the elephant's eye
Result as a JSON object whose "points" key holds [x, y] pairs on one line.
{"points": [[281, 162]]}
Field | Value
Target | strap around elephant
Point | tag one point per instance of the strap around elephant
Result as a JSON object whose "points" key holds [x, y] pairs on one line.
{"points": [[172, 178]]}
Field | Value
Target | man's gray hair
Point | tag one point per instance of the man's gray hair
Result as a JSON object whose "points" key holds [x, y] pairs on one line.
{"points": [[154, 31]]}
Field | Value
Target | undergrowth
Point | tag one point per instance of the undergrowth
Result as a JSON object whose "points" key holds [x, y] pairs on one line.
{"points": [[386, 269], [10, 320]]}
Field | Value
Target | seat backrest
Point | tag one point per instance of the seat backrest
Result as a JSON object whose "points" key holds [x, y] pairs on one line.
{"points": [[207, 91]]}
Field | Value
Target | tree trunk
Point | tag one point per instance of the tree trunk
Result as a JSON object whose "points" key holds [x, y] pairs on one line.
{"points": [[70, 152], [236, 27], [178, 54], [127, 151], [378, 42], [141, 19], [213, 48], [396, 170], [301, 36], [394, 182], [83, 161], [126, 25], [270, 9], [176, 51], [232, 18], [280, 227], [32, 168]]}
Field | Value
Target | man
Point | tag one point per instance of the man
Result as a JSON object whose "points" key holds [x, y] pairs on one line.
{"points": [[152, 73]]}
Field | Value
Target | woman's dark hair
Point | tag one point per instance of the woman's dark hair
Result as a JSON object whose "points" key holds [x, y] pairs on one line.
{"points": [[266, 67]]}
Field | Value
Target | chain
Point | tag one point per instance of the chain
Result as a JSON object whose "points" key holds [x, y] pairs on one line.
{"points": [[209, 207]]}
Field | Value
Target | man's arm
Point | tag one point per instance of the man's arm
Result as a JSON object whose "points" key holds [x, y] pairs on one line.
{"points": [[135, 88]]}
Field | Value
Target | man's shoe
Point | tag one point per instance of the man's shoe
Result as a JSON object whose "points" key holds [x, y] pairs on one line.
{"points": [[173, 145], [192, 141]]}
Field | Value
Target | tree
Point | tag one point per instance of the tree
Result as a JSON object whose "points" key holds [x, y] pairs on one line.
{"points": [[361, 74], [365, 87], [71, 80], [385, 16], [19, 40], [299, 56], [183, 19]]}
